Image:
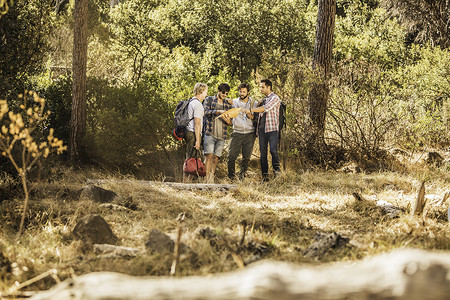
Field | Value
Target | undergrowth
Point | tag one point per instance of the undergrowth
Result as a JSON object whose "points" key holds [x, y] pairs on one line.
{"points": [[280, 220]]}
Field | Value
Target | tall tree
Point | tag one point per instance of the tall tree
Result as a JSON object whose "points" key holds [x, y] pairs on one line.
{"points": [[78, 118], [427, 20], [318, 96]]}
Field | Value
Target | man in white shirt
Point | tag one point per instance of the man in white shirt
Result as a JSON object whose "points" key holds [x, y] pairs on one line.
{"points": [[243, 137], [194, 128]]}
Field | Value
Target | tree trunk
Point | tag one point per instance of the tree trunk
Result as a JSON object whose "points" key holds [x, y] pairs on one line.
{"points": [[318, 96], [78, 118], [403, 274], [176, 185]]}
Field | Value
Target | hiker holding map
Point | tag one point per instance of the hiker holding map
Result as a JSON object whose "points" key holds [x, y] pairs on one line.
{"points": [[215, 128]]}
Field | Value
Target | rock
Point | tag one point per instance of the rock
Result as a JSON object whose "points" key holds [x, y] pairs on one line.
{"points": [[434, 158], [324, 242], [112, 251], [114, 207], [5, 264], [97, 194], [93, 229], [389, 209], [162, 243]]}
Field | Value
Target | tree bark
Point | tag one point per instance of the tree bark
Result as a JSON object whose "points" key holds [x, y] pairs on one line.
{"points": [[78, 117], [403, 274], [323, 48], [176, 185]]}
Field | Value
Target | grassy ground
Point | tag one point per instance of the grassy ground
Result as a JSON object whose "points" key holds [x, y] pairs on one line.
{"points": [[282, 217]]}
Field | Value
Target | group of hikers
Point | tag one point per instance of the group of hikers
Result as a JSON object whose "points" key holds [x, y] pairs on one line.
{"points": [[210, 117]]}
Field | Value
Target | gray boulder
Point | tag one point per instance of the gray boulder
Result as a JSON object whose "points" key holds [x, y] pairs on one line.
{"points": [[97, 194], [324, 242], [162, 243], [434, 158], [93, 229]]}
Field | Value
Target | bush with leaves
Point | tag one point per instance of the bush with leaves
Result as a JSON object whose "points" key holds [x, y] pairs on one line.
{"points": [[366, 33], [127, 125], [233, 42], [23, 42], [18, 140], [362, 116], [423, 94]]}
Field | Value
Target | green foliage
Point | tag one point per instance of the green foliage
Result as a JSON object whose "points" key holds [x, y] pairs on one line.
{"points": [[426, 21], [4, 7], [251, 28], [138, 34], [232, 34], [362, 112], [125, 124], [23, 43], [145, 56], [424, 95], [21, 140], [58, 95], [366, 33]]}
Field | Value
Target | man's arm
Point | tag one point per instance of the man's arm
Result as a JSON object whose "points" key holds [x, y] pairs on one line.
{"points": [[198, 132], [256, 110], [207, 106], [274, 101]]}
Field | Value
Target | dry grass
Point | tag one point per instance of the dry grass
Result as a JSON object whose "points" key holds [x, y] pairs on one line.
{"points": [[281, 217]]}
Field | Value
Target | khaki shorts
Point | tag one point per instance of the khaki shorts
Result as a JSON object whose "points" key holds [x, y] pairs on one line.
{"points": [[213, 145]]}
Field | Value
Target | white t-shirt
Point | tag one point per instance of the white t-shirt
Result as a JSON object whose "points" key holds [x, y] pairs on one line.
{"points": [[195, 110]]}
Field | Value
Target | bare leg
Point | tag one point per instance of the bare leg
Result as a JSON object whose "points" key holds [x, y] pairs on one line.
{"points": [[208, 165], [214, 161]]}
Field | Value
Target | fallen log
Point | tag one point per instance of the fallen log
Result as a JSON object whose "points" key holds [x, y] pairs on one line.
{"points": [[402, 274], [177, 185]]}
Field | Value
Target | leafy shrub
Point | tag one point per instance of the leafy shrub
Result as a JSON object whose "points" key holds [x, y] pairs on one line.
{"points": [[365, 33], [423, 94], [362, 112], [58, 95], [127, 125], [23, 43], [21, 142]]}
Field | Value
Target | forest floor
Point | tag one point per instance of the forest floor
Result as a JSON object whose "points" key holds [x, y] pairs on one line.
{"points": [[281, 219]]}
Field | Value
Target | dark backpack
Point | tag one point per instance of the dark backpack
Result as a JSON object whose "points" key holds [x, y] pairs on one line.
{"points": [[282, 119], [181, 119]]}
